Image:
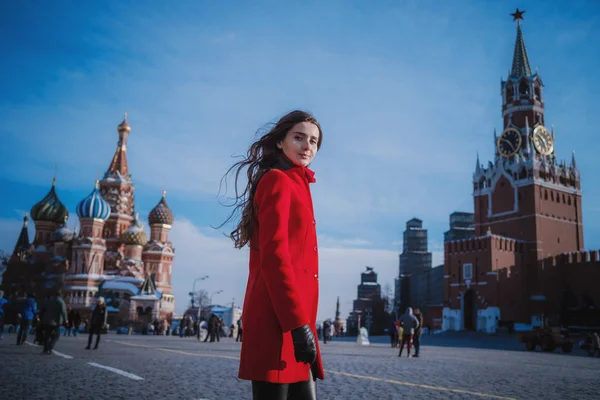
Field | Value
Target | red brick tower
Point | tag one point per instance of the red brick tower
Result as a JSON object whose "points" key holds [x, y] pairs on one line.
{"points": [[527, 208], [158, 253], [526, 193], [117, 189]]}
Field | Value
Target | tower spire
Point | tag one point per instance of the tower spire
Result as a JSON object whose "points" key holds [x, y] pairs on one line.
{"points": [[520, 64], [118, 168]]}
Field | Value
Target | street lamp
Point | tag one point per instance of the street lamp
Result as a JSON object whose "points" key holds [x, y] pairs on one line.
{"points": [[193, 292], [213, 293]]}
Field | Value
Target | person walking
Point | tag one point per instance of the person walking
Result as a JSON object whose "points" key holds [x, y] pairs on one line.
{"points": [[418, 331], [240, 330], [280, 353], [409, 323], [53, 315], [28, 311], [3, 302], [97, 322]]}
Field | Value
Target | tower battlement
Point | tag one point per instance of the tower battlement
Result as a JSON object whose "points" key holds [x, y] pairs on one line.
{"points": [[483, 243], [578, 258]]}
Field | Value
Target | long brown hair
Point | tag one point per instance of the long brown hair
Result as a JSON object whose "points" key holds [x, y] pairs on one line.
{"points": [[261, 156]]}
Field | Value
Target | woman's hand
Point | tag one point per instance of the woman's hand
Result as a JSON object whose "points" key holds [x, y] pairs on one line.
{"points": [[305, 347]]}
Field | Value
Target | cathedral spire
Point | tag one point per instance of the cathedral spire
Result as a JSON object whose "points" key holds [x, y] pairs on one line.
{"points": [[520, 64], [22, 246], [118, 169]]}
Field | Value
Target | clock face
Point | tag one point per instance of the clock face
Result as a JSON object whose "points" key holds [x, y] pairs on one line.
{"points": [[542, 140], [509, 142]]}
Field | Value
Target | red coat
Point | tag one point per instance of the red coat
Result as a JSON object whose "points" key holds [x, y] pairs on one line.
{"points": [[283, 287]]}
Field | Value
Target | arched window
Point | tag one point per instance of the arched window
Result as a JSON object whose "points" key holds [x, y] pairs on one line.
{"points": [[523, 89], [509, 93]]}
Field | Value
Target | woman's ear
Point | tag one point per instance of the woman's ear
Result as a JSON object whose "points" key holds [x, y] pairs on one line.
{"points": [[279, 146]]}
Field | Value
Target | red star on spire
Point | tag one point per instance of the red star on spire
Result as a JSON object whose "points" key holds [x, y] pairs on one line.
{"points": [[517, 15]]}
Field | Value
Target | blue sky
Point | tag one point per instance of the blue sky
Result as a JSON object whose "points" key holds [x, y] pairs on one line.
{"points": [[407, 93]]}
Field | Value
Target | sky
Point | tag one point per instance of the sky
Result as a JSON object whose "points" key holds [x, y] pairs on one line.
{"points": [[407, 93]]}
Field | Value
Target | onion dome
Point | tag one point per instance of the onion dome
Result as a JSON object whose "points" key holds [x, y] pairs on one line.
{"points": [[161, 214], [50, 208], [124, 126], [135, 234], [62, 234], [94, 206]]}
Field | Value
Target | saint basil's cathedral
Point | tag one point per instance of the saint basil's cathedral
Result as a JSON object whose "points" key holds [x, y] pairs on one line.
{"points": [[110, 255], [526, 263]]}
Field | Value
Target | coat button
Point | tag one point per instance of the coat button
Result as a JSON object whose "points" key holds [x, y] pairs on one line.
{"points": [[315, 249], [314, 222], [316, 276]]}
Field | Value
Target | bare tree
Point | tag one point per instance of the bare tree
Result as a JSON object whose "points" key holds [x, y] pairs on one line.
{"points": [[388, 297], [201, 299]]}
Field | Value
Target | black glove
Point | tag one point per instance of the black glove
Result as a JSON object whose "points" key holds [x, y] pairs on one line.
{"points": [[305, 348]]}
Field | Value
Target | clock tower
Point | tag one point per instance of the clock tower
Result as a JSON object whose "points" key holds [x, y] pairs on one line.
{"points": [[526, 193]]}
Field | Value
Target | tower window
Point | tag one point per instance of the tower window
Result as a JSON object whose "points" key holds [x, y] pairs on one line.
{"points": [[545, 195], [509, 93], [523, 88]]}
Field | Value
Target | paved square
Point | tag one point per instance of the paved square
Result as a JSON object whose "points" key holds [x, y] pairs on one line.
{"points": [[452, 366]]}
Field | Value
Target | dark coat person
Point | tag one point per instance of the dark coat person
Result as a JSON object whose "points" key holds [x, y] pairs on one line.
{"points": [[98, 322], [53, 314]]}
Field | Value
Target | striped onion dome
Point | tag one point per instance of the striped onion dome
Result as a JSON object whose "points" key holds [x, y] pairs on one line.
{"points": [[50, 208], [62, 234], [161, 214], [135, 234], [94, 206]]}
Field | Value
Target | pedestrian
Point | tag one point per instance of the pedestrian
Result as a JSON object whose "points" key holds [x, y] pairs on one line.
{"points": [[409, 323], [76, 322], [97, 322], [418, 331], [280, 353], [394, 334], [3, 302], [53, 314], [239, 330], [28, 311]]}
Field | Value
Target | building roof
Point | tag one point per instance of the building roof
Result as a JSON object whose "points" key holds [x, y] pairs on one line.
{"points": [[520, 64], [118, 169], [148, 291], [94, 206], [161, 214], [22, 246], [50, 208]]}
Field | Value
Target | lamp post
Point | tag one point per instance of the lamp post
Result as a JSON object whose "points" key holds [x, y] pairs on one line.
{"points": [[193, 292], [213, 293]]}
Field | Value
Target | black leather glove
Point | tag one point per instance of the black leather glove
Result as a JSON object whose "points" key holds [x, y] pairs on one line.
{"points": [[305, 347]]}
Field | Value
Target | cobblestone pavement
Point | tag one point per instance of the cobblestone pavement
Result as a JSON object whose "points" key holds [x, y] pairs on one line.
{"points": [[148, 367]]}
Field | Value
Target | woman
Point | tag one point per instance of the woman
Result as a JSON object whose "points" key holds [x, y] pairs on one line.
{"points": [[280, 354], [98, 322]]}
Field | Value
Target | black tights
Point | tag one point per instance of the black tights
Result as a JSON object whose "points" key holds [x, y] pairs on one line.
{"points": [[285, 391], [94, 330]]}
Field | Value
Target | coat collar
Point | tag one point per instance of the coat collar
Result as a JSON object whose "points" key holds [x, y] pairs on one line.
{"points": [[285, 164]]}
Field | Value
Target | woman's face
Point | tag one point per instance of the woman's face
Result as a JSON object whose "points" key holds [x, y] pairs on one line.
{"points": [[300, 143]]}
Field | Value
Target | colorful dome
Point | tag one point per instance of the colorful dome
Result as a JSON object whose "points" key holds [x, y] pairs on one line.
{"points": [[124, 126], [50, 208], [135, 234], [161, 214], [62, 234], [94, 206]]}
